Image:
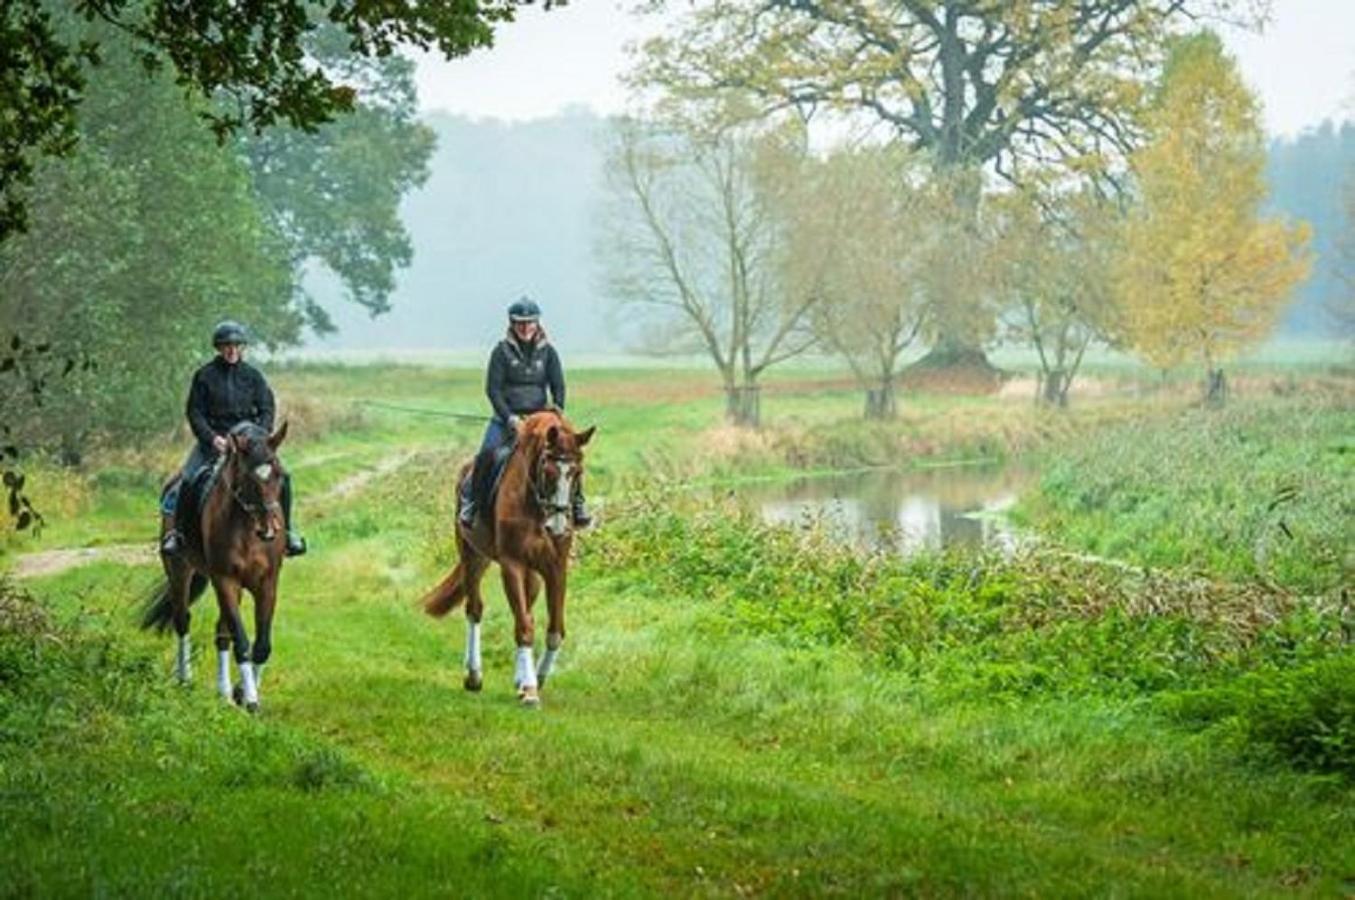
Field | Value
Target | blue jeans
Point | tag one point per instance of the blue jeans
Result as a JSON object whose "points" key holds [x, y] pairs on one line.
{"points": [[497, 433]]}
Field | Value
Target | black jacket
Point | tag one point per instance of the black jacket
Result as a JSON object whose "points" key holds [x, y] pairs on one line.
{"points": [[519, 376], [223, 395]]}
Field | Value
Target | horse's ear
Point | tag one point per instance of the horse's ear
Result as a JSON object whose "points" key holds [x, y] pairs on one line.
{"points": [[275, 440], [584, 437], [552, 435]]}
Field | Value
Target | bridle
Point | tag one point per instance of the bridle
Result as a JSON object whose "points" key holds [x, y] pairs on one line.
{"points": [[262, 511], [547, 500]]}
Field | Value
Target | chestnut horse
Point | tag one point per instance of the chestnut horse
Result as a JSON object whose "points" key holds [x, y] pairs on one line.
{"points": [[242, 546], [528, 532]]}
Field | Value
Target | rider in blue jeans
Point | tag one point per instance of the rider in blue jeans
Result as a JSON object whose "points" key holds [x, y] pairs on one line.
{"points": [[224, 393], [523, 368]]}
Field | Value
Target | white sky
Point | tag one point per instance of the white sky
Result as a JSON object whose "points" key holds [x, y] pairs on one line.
{"points": [[1303, 65]]}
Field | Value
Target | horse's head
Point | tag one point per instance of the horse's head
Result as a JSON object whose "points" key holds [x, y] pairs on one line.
{"points": [[557, 469], [255, 475]]}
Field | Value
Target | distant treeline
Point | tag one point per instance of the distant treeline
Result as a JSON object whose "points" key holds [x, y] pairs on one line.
{"points": [[511, 208], [1309, 176]]}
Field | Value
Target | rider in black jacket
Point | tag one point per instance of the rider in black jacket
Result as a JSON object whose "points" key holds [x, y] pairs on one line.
{"points": [[523, 368], [224, 393]]}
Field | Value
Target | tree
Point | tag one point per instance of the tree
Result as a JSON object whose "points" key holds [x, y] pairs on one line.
{"points": [[139, 241], [1201, 276], [694, 241], [254, 54], [1056, 258], [333, 193], [979, 84], [860, 230], [1341, 306]]}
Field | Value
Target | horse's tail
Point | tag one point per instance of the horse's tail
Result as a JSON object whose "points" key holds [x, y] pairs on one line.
{"points": [[158, 611], [448, 595]]}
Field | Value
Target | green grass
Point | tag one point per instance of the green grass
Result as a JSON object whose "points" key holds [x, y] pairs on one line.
{"points": [[739, 709], [1261, 490]]}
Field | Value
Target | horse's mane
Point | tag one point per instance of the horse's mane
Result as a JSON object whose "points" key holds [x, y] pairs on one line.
{"points": [[256, 440]]}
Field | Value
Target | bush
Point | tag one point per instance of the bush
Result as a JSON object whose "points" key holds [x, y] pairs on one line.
{"points": [[965, 625], [1305, 715]]}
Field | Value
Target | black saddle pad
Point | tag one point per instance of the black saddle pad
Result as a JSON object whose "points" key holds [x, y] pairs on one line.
{"points": [[486, 475], [187, 514]]}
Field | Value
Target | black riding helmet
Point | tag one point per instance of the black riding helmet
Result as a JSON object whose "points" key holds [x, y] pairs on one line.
{"points": [[524, 309], [229, 332]]}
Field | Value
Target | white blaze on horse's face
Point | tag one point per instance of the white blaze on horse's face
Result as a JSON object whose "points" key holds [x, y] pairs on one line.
{"points": [[557, 523], [264, 472]]}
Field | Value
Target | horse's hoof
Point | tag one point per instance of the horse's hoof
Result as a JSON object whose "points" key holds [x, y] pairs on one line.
{"points": [[473, 682], [238, 695], [529, 697], [252, 708]]}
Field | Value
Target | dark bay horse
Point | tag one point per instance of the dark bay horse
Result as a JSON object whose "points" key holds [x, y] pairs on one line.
{"points": [[242, 546], [528, 532]]}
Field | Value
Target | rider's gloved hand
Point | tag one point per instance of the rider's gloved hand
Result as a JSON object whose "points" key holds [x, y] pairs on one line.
{"points": [[514, 422], [219, 443]]}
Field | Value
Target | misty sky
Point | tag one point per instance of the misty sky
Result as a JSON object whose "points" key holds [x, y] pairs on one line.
{"points": [[1303, 66]]}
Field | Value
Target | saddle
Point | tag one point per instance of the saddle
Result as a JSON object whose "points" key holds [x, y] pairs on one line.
{"points": [[487, 473], [187, 512]]}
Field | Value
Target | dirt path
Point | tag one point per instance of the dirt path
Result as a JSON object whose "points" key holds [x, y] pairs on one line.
{"points": [[54, 562], [357, 481]]}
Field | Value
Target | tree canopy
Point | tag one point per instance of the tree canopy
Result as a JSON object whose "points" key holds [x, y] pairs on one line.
{"points": [[254, 57], [1201, 274]]}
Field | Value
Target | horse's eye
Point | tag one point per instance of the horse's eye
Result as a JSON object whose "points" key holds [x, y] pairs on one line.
{"points": [[263, 472]]}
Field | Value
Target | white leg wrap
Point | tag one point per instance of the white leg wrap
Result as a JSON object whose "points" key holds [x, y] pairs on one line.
{"points": [[183, 660], [473, 647], [553, 642], [249, 688], [223, 673], [524, 673]]}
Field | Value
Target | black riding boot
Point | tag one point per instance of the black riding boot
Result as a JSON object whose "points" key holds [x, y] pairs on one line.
{"points": [[296, 544]]}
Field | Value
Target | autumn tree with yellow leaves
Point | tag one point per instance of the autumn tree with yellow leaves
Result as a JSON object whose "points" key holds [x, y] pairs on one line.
{"points": [[1201, 275]]}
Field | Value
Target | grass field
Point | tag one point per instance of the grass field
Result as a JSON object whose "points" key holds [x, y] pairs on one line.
{"points": [[740, 709]]}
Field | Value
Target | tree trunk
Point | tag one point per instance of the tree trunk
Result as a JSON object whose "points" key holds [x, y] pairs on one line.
{"points": [[1216, 388], [1055, 388], [743, 406], [881, 402]]}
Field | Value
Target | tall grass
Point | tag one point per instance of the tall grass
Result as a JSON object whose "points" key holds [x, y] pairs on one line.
{"points": [[1257, 491]]}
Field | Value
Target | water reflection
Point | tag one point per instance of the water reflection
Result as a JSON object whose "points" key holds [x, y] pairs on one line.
{"points": [[912, 510]]}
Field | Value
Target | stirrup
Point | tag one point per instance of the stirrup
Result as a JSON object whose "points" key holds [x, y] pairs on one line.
{"points": [[296, 544], [171, 543]]}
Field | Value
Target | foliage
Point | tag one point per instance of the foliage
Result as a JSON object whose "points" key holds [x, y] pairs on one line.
{"points": [[1304, 715], [333, 192], [151, 231], [1054, 258], [860, 232], [694, 241], [126, 263], [1018, 87], [256, 54], [1264, 491], [1201, 277], [966, 627]]}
